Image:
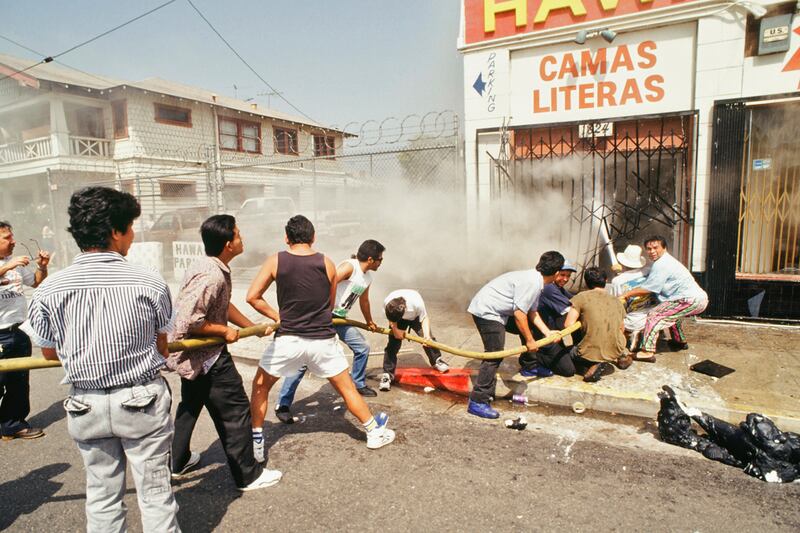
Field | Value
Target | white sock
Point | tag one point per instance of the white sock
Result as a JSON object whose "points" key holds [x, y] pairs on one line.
{"points": [[370, 424]]}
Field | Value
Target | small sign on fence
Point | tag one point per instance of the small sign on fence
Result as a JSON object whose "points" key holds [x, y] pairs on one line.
{"points": [[762, 164], [183, 253]]}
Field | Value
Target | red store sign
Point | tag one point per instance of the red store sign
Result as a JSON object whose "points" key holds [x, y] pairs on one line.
{"points": [[493, 19]]}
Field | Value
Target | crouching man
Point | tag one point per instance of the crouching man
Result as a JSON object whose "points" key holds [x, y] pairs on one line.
{"points": [[509, 303], [678, 293], [208, 376], [405, 309], [107, 321], [602, 317]]}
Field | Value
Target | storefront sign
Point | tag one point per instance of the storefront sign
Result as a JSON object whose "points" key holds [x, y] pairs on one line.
{"points": [[641, 73], [493, 19]]}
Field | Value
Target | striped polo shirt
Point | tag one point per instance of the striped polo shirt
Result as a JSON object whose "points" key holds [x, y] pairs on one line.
{"points": [[102, 315]]}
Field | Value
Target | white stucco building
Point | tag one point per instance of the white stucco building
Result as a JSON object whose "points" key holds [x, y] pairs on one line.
{"points": [[681, 118], [172, 145]]}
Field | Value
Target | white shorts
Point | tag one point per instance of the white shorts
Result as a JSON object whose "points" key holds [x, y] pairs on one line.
{"points": [[287, 354]]}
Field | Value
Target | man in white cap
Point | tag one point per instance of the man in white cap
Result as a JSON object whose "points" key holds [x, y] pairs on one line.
{"points": [[633, 275]]}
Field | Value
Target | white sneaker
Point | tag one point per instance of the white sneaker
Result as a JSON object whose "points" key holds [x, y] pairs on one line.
{"points": [[379, 437], [441, 365], [258, 450], [267, 478], [386, 382], [194, 460]]}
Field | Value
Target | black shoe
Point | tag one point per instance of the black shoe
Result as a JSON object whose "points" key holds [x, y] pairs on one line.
{"points": [[284, 415], [366, 391], [677, 346], [596, 372]]}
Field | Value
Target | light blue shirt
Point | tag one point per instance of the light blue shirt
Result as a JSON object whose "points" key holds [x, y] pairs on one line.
{"points": [[498, 299], [671, 281]]}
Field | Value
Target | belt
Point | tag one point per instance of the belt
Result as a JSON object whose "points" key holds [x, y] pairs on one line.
{"points": [[11, 329], [144, 381]]}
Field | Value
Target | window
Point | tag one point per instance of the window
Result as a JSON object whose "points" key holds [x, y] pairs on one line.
{"points": [[177, 116], [239, 135], [119, 116], [324, 146], [286, 141], [769, 217], [175, 189], [89, 122]]}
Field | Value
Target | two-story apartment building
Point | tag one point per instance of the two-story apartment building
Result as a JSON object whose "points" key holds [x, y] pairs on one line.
{"points": [[172, 145]]}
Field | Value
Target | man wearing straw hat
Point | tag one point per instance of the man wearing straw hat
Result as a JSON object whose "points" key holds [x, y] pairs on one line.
{"points": [[633, 275], [208, 376]]}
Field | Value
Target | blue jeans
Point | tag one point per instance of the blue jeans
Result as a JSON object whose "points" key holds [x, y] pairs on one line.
{"points": [[352, 337]]}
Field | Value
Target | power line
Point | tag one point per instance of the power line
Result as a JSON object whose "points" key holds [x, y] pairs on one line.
{"points": [[232, 49], [17, 43], [49, 59]]}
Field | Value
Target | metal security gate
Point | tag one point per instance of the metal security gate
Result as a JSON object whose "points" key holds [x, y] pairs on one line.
{"points": [[614, 183], [752, 263]]}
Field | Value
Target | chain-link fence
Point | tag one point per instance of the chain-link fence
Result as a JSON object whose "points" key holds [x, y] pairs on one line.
{"points": [[374, 180]]}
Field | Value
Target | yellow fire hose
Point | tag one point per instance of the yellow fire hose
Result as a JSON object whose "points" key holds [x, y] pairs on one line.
{"points": [[31, 363]]}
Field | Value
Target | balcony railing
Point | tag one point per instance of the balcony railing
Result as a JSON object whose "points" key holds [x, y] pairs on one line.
{"points": [[24, 151], [89, 146]]}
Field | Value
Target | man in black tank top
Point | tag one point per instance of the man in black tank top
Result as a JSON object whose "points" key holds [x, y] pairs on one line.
{"points": [[306, 287]]}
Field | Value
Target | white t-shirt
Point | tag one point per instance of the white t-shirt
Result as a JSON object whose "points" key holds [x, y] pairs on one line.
{"points": [[625, 281], [498, 299], [415, 306], [349, 290], [13, 307]]}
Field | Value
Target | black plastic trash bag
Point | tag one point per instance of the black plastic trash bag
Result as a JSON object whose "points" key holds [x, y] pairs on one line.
{"points": [[755, 445]]}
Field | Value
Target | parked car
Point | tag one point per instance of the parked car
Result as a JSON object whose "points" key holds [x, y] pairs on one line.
{"points": [[176, 225]]}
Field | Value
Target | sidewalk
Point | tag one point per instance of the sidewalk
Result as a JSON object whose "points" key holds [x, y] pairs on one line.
{"points": [[766, 360]]}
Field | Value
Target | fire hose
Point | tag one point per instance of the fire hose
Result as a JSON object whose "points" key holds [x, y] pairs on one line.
{"points": [[31, 363]]}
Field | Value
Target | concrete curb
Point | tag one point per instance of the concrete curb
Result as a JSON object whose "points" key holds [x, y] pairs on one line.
{"points": [[565, 392], [595, 396]]}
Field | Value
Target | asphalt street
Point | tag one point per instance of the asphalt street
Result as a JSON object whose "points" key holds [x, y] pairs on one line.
{"points": [[446, 471]]}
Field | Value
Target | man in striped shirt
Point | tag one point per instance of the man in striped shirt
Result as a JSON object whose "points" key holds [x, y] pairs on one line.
{"points": [[107, 321]]}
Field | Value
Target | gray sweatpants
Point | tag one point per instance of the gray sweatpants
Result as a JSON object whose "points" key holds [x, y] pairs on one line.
{"points": [[114, 428]]}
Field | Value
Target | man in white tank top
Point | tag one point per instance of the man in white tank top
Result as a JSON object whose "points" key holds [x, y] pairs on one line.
{"points": [[353, 279]]}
